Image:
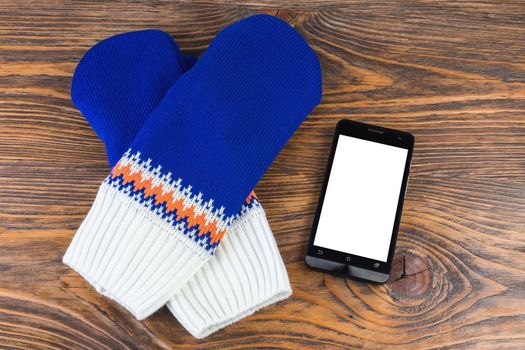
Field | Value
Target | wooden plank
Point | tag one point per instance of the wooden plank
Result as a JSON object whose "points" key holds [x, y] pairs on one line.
{"points": [[453, 73]]}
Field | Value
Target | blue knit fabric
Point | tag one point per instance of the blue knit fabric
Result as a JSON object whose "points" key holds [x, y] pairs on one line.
{"points": [[97, 69], [217, 129], [121, 80], [234, 110]]}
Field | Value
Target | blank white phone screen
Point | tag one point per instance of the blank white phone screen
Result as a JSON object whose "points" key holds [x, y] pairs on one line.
{"points": [[360, 204]]}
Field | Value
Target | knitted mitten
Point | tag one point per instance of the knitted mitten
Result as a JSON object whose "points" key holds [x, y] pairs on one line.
{"points": [[251, 271], [121, 80], [169, 200]]}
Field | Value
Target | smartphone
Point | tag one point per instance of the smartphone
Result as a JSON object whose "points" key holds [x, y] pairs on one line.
{"points": [[357, 219]]}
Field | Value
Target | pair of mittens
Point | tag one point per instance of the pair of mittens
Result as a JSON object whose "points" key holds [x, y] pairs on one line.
{"points": [[187, 145]]}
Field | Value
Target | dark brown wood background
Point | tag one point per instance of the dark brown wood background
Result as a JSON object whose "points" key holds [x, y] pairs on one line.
{"points": [[452, 73]]}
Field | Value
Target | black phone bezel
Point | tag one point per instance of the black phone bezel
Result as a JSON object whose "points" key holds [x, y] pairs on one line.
{"points": [[342, 263]]}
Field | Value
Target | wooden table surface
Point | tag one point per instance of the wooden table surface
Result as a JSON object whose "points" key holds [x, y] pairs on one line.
{"points": [[452, 73]]}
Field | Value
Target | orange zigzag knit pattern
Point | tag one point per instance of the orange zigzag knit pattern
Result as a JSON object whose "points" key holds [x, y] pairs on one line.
{"points": [[172, 204], [250, 197]]}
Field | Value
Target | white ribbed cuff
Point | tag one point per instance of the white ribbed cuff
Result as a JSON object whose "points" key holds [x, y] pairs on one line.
{"points": [[246, 274], [131, 255]]}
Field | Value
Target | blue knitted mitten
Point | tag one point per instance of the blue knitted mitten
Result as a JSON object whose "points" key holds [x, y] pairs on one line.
{"points": [[248, 272], [164, 209]]}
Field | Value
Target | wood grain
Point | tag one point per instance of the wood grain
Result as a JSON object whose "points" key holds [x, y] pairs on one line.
{"points": [[452, 73]]}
